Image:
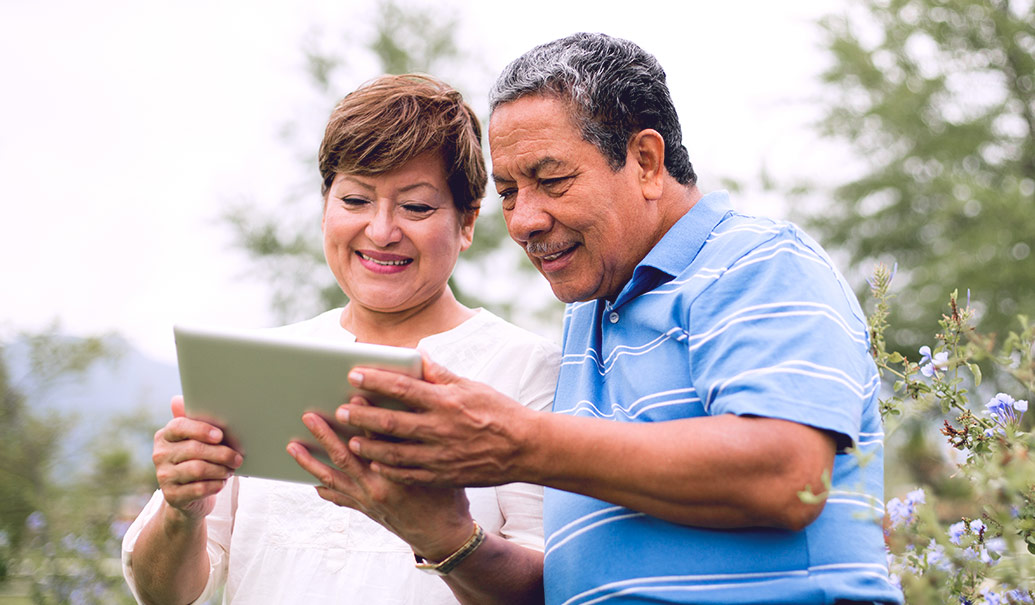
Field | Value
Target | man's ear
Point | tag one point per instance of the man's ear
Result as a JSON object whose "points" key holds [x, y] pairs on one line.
{"points": [[647, 149]]}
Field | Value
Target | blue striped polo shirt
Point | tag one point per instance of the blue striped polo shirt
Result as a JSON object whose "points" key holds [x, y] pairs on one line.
{"points": [[728, 314]]}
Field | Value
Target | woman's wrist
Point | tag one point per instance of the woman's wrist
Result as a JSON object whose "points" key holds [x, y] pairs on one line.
{"points": [[446, 543]]}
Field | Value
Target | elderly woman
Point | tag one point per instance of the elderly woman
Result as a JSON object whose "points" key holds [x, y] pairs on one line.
{"points": [[403, 176]]}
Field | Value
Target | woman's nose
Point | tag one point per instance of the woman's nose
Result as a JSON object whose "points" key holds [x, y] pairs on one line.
{"points": [[382, 228]]}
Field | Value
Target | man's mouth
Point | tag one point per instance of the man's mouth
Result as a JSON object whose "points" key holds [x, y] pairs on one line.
{"points": [[546, 253]]}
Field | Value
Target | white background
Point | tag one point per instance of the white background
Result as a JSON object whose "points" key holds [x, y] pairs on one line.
{"points": [[127, 127]]}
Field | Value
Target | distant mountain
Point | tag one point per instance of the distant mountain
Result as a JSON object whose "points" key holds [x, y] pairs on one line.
{"points": [[130, 383]]}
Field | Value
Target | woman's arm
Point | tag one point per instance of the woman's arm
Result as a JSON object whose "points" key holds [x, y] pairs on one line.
{"points": [[170, 559]]}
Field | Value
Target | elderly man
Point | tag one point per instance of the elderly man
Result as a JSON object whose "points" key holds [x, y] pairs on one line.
{"points": [[715, 435]]}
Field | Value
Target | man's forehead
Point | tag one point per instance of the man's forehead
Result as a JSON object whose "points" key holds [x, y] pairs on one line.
{"points": [[530, 166]]}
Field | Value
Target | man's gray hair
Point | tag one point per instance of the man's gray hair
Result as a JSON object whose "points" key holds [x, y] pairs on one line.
{"points": [[615, 90]]}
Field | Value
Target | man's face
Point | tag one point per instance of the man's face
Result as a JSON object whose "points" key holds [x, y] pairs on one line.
{"points": [[583, 225]]}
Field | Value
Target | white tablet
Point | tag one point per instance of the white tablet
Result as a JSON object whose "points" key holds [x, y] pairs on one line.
{"points": [[256, 384]]}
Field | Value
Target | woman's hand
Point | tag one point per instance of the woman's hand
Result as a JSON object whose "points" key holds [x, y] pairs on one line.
{"points": [[433, 521], [191, 465]]}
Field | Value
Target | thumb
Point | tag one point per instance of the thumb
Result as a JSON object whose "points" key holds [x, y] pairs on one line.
{"points": [[435, 373], [178, 409]]}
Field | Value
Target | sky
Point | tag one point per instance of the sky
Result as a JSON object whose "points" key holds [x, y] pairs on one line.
{"points": [[128, 127]]}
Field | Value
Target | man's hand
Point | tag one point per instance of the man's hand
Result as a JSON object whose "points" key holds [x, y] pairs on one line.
{"points": [[460, 432], [434, 521]]}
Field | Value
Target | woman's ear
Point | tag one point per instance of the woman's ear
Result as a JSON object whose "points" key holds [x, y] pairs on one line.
{"points": [[647, 149], [467, 220]]}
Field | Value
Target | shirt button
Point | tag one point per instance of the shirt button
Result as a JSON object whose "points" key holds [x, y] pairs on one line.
{"points": [[613, 317]]}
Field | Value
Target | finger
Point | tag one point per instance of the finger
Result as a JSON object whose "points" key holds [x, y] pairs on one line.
{"points": [[179, 452], [335, 447], [380, 421], [182, 428], [189, 472], [181, 496], [407, 389], [408, 476], [338, 498], [389, 453], [436, 373], [178, 408]]}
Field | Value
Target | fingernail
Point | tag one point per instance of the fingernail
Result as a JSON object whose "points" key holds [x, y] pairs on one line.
{"points": [[307, 420], [342, 415], [356, 378], [238, 459], [216, 435], [354, 446]]}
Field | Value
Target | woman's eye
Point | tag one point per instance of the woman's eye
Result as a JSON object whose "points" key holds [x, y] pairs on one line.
{"points": [[413, 208], [353, 202]]}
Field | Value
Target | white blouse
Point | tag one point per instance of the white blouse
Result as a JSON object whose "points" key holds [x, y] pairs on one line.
{"points": [[279, 542]]}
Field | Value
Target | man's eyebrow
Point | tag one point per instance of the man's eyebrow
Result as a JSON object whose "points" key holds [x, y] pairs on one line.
{"points": [[545, 163]]}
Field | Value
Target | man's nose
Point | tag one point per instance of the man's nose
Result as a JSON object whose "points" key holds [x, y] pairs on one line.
{"points": [[529, 218]]}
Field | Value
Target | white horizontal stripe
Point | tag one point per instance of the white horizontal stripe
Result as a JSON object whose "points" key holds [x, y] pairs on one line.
{"points": [[754, 578], [603, 369], [583, 519], [791, 367], [742, 315], [553, 548], [625, 410], [748, 228], [879, 509]]}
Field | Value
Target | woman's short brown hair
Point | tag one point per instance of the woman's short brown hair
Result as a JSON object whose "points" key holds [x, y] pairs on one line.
{"points": [[392, 119]]}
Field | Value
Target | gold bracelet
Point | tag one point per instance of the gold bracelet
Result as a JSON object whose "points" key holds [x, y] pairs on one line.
{"points": [[450, 562]]}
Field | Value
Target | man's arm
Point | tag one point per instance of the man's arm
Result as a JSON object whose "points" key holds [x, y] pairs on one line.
{"points": [[719, 471]]}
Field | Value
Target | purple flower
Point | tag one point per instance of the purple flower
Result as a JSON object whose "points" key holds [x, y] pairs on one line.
{"points": [[903, 512], [956, 531], [36, 521], [1002, 408], [932, 364]]}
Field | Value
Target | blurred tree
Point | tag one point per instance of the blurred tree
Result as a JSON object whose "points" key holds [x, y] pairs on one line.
{"points": [[937, 99], [61, 529], [285, 243]]}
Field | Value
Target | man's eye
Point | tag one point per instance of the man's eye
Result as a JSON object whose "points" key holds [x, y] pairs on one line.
{"points": [[507, 197], [557, 184]]}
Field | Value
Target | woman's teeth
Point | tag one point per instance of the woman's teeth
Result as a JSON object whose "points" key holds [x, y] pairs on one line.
{"points": [[390, 263]]}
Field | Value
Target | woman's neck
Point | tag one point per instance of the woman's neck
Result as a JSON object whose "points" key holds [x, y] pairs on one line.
{"points": [[405, 328]]}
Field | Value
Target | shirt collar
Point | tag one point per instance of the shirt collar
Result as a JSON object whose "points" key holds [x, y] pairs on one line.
{"points": [[679, 246]]}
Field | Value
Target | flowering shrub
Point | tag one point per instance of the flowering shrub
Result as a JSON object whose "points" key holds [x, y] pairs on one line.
{"points": [[977, 545]]}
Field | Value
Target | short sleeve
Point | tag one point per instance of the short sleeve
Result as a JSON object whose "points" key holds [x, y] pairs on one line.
{"points": [[780, 335]]}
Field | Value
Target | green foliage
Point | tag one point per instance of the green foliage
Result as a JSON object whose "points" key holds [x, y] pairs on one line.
{"points": [[60, 533], [937, 99], [967, 534]]}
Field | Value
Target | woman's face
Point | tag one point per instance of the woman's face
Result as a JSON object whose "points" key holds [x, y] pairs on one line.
{"points": [[392, 240]]}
